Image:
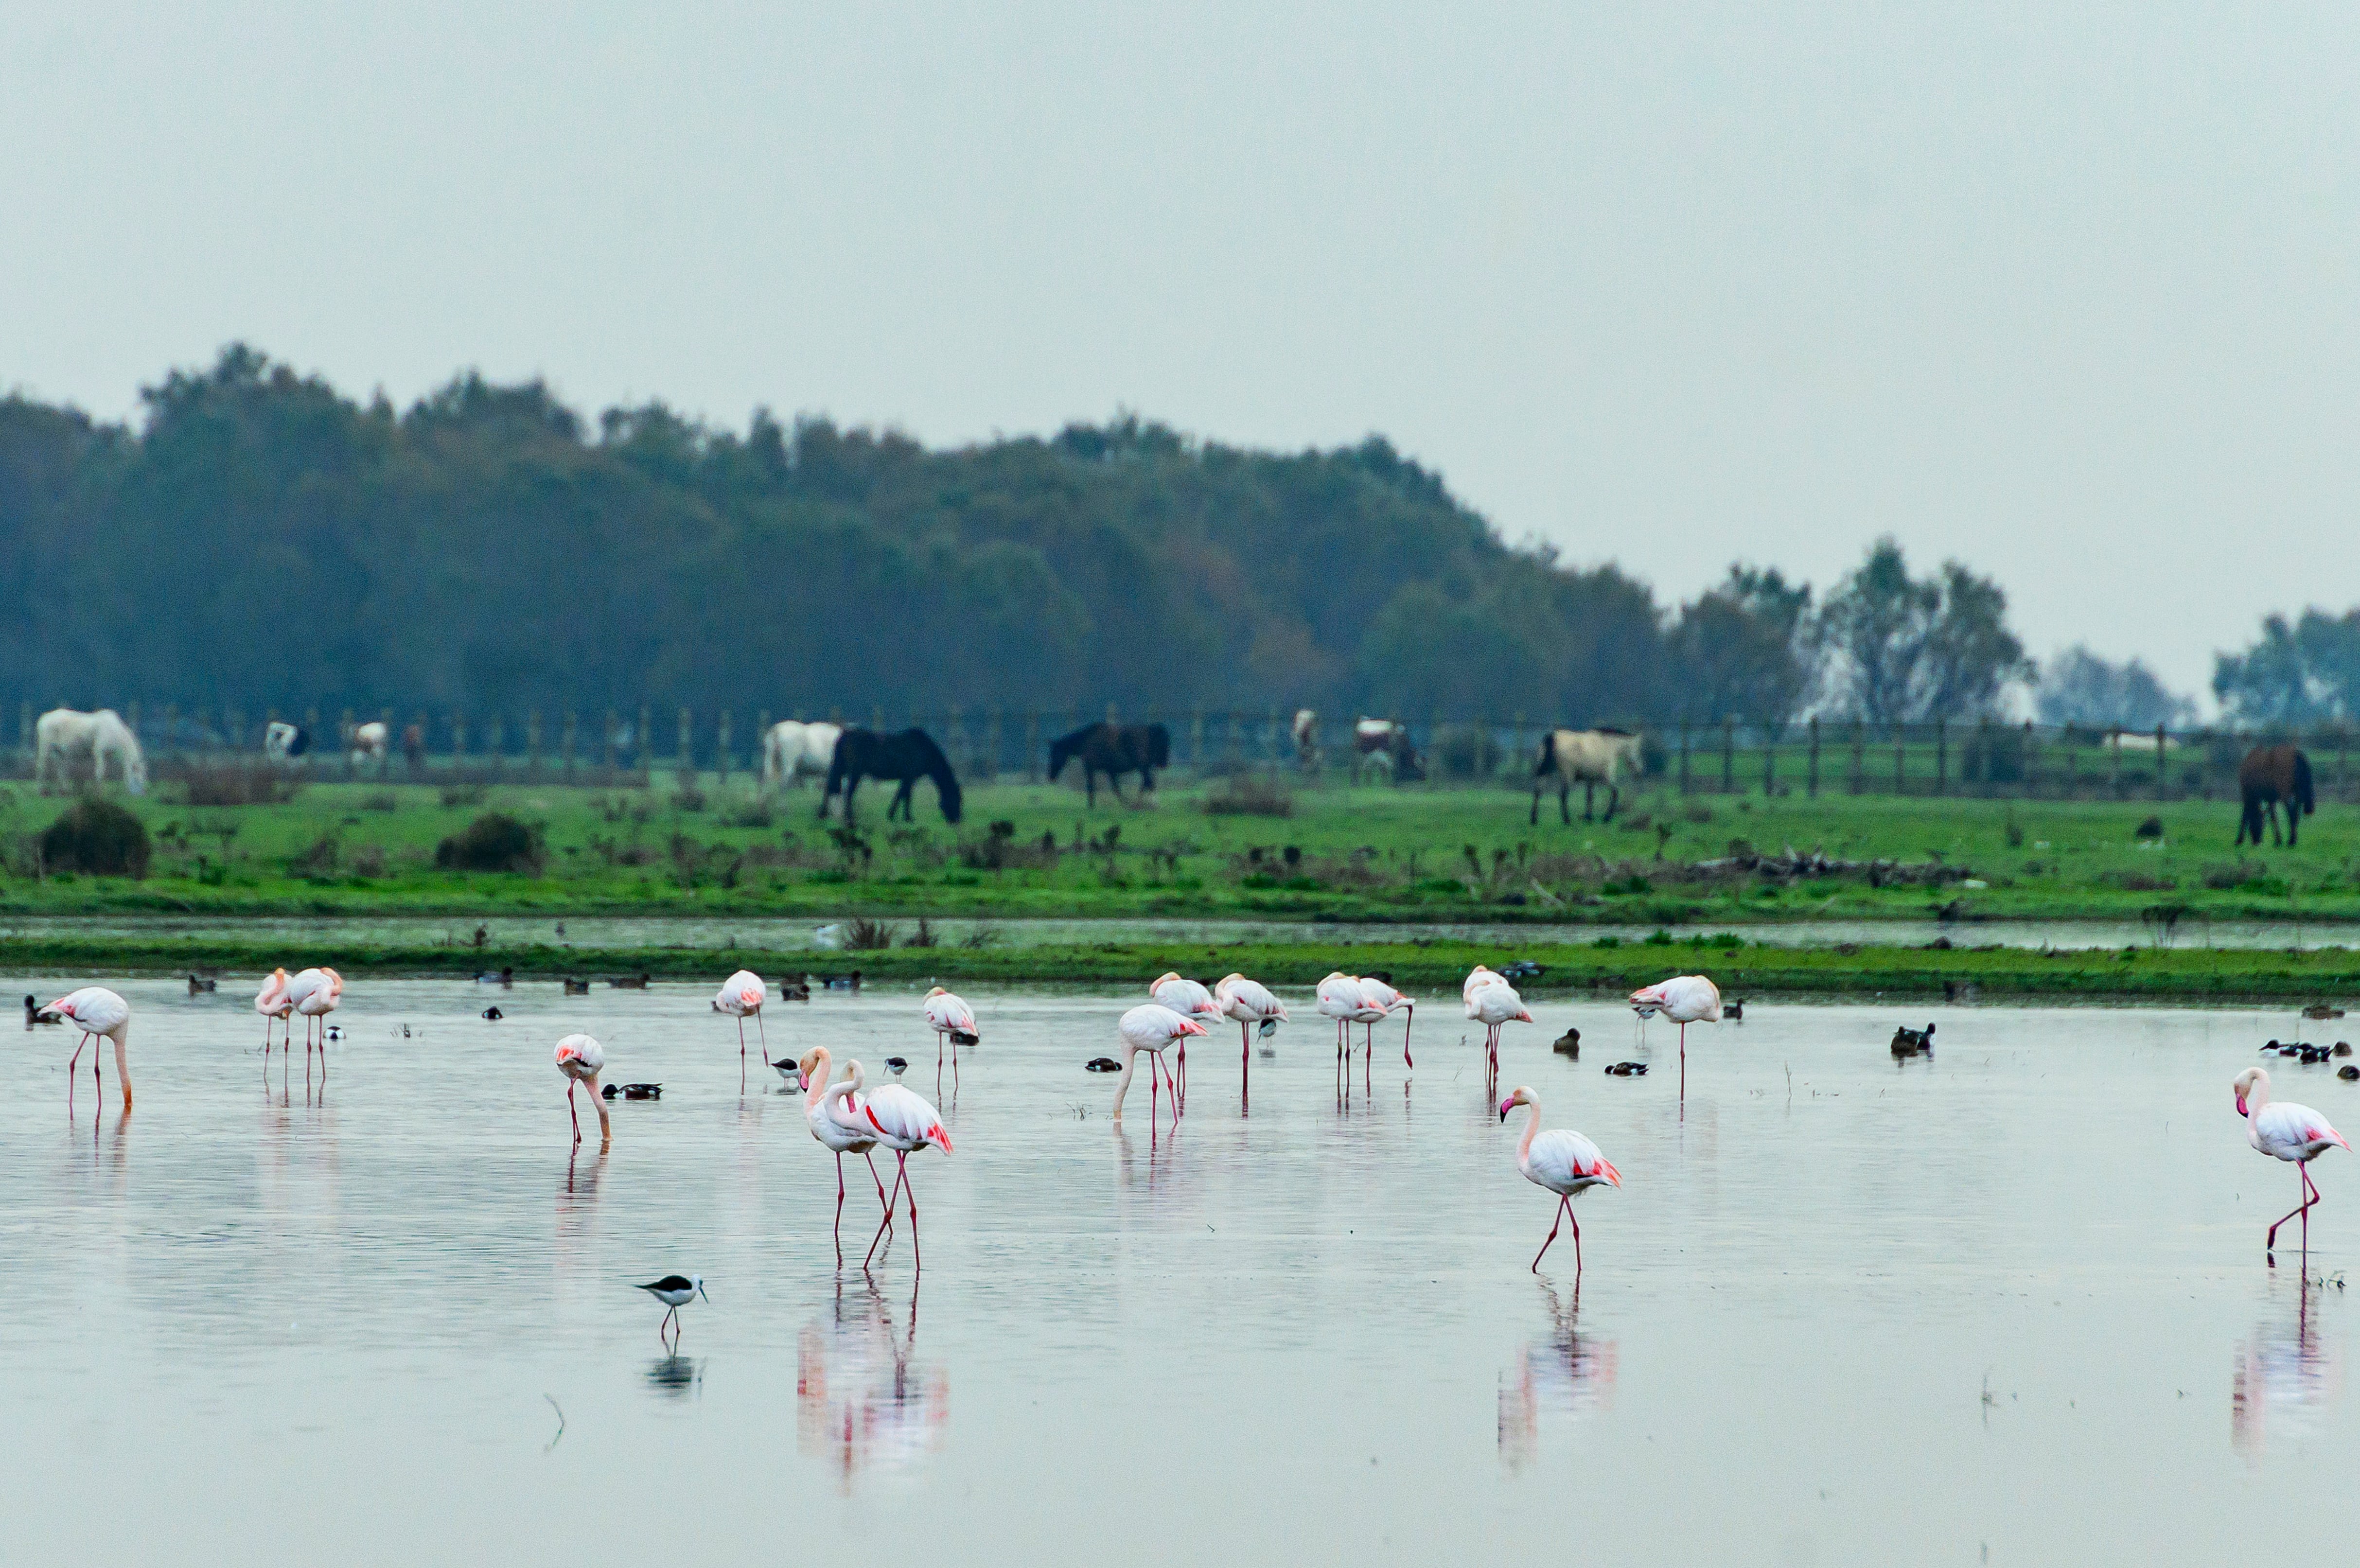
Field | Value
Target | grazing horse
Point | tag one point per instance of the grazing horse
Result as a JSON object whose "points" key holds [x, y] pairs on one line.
{"points": [[1590, 757], [62, 734], [2270, 774], [284, 742], [1113, 749], [905, 758], [1383, 744], [791, 749]]}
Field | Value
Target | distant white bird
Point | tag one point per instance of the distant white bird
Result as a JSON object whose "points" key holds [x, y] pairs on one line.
{"points": [[1250, 1003], [100, 1013], [1684, 998], [949, 1017], [1495, 1006], [581, 1059], [1151, 1027], [906, 1124], [2293, 1133], [1381, 994], [1564, 1162], [740, 995], [1190, 1000]]}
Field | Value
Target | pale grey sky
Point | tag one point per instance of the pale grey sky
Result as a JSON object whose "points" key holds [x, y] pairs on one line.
{"points": [[2068, 292]]}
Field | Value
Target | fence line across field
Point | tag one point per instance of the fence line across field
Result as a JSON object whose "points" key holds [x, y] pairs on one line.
{"points": [[1811, 757]]}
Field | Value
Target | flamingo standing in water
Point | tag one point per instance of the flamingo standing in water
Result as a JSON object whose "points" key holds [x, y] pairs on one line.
{"points": [[1477, 978], [948, 1015], [1381, 994], [1150, 1027], [1249, 1002], [1684, 998], [839, 1120], [2290, 1132], [740, 994], [580, 1058], [1340, 999], [101, 1014], [1190, 1000], [315, 994], [272, 1002], [1564, 1162], [1494, 1005], [906, 1124]]}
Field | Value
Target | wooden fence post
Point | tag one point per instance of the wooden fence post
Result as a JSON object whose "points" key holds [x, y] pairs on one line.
{"points": [[458, 740], [2028, 764], [994, 746], [1769, 760], [1900, 758], [1942, 756], [570, 733], [1728, 755], [2116, 736], [1811, 789], [1859, 755], [1033, 760], [1684, 756], [532, 743]]}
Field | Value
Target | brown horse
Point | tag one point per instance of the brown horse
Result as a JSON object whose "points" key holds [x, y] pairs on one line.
{"points": [[2270, 774]]}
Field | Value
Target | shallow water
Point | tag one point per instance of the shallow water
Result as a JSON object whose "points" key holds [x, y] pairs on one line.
{"points": [[776, 934], [2009, 1301]]}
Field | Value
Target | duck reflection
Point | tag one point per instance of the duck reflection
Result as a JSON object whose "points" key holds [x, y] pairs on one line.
{"points": [[1565, 1372], [2286, 1377], [862, 1399]]}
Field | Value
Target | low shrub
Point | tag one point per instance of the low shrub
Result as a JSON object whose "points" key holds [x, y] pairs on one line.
{"points": [[492, 842], [239, 783], [98, 837], [1249, 795]]}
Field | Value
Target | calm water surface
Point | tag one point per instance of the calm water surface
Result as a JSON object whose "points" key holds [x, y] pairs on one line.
{"points": [[2006, 1306]]}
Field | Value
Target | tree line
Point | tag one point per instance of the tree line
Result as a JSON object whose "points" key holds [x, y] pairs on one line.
{"points": [[256, 538]]}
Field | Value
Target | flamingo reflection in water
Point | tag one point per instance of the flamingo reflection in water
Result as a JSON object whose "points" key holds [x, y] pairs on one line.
{"points": [[863, 1402], [1564, 1374], [2286, 1375]]}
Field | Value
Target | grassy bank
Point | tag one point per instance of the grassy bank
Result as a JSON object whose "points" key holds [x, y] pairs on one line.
{"points": [[1372, 854], [1433, 968]]}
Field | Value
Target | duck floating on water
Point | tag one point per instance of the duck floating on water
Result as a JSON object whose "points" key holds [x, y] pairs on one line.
{"points": [[1102, 1064], [505, 977], [1909, 1042], [199, 985], [634, 1091], [1732, 1010], [841, 981], [625, 982], [1522, 969], [1627, 1070], [795, 990], [577, 987], [491, 1015], [1569, 1044], [2323, 1010]]}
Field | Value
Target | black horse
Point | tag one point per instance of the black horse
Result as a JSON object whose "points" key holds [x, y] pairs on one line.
{"points": [[1113, 749], [2269, 776], [905, 758]]}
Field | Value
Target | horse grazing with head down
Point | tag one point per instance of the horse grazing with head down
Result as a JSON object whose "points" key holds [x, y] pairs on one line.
{"points": [[904, 758], [2270, 774], [1113, 749], [1586, 757], [62, 734]]}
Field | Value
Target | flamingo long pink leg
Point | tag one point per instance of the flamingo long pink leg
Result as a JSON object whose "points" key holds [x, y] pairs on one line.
{"points": [[2310, 1196], [741, 1054], [1406, 1021], [917, 1258], [1565, 1215], [888, 1220], [1245, 1062]]}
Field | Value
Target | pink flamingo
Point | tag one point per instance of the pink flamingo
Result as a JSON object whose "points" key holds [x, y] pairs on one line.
{"points": [[2290, 1132], [740, 994], [839, 1120], [1340, 999], [101, 1014], [1564, 1162], [1476, 977], [1494, 1005], [1250, 1003], [1190, 1000], [1150, 1026], [315, 994], [581, 1059], [1684, 998], [1380, 995], [272, 1002], [948, 1015], [906, 1124]]}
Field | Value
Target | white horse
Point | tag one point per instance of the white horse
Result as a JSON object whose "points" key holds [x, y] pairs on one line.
{"points": [[1589, 757], [368, 744], [63, 734], [792, 748]]}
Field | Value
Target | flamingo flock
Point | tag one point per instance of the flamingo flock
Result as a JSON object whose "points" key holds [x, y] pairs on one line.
{"points": [[845, 1116]]}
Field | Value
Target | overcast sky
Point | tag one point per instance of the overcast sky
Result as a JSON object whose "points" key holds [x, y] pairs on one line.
{"points": [[2070, 296]]}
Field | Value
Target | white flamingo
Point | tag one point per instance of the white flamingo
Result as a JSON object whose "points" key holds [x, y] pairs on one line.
{"points": [[315, 994], [1251, 1005], [1190, 1000], [741, 994], [950, 1017], [1150, 1026], [580, 1058], [1380, 995], [906, 1124], [102, 1014], [1684, 998], [1340, 999], [1566, 1163], [272, 1002], [2296, 1133], [838, 1116], [1494, 1005]]}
